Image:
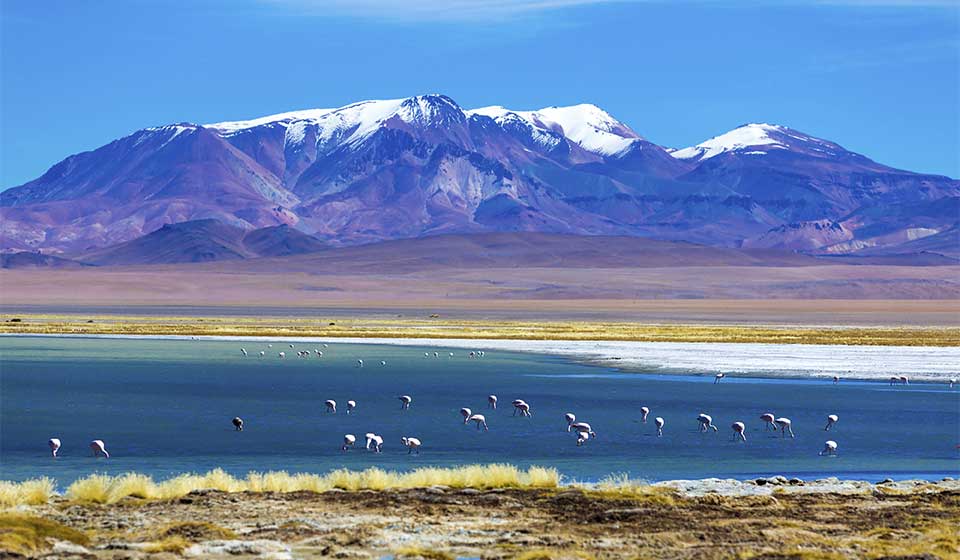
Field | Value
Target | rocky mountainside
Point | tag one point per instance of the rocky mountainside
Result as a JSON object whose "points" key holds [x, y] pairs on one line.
{"points": [[381, 170]]}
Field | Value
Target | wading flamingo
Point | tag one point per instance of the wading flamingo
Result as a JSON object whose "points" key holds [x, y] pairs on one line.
{"points": [[374, 441], [767, 418], [570, 418], [739, 428], [412, 444], [237, 423], [785, 426], [405, 401], [583, 427], [262, 353], [644, 411], [706, 422], [829, 448], [54, 444], [492, 402], [582, 438], [659, 422], [98, 448], [282, 355], [350, 406], [465, 412], [243, 351], [480, 420], [331, 405], [831, 420], [522, 407], [359, 363], [348, 441], [836, 379], [718, 377]]}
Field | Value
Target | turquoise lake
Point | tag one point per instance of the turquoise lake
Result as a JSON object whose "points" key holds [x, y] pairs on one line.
{"points": [[164, 407]]}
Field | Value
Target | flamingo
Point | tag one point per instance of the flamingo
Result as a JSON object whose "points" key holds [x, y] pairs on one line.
{"points": [[739, 428], [359, 363], [54, 444], [583, 427], [582, 438], [767, 418], [718, 377], [269, 345], [98, 448], [644, 411], [465, 412], [952, 381], [831, 420], [492, 402], [243, 351], [237, 423], [383, 362], [350, 406], [706, 422], [411, 443], [785, 426], [570, 418], [426, 354], [282, 355], [480, 420], [522, 407], [262, 353], [291, 346], [331, 405], [405, 401], [836, 379], [348, 441], [659, 422], [894, 380], [904, 380], [829, 448], [319, 353], [375, 441], [436, 354]]}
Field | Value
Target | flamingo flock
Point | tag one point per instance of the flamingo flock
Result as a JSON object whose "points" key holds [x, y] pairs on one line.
{"points": [[583, 430]]}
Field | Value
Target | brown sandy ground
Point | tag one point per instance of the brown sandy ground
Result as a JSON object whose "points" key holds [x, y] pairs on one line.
{"points": [[440, 328], [881, 521]]}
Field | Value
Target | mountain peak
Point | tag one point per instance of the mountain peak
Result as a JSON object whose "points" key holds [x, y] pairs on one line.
{"points": [[759, 139]]}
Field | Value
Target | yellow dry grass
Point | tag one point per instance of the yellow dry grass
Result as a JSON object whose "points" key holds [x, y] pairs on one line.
{"points": [[105, 489], [26, 535], [477, 329], [31, 492]]}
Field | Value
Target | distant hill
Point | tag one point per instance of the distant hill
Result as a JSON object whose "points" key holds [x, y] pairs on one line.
{"points": [[204, 241], [27, 259], [524, 250]]}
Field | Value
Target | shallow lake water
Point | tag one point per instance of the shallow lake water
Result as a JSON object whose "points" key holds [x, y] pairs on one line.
{"points": [[164, 407]]}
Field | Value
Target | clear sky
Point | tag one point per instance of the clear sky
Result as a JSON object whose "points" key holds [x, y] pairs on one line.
{"points": [[877, 76]]}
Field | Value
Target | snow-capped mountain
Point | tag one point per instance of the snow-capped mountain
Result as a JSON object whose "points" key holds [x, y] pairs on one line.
{"points": [[423, 165]]}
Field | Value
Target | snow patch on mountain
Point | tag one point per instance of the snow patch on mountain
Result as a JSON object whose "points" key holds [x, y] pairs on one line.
{"points": [[589, 126], [230, 128], [747, 136]]}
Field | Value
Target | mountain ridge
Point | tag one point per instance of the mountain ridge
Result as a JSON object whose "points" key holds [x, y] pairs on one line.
{"points": [[390, 169]]}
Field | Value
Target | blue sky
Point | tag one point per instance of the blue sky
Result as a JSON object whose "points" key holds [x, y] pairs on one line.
{"points": [[880, 77]]}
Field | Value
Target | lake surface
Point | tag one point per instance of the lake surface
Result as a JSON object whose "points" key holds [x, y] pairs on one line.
{"points": [[164, 407]]}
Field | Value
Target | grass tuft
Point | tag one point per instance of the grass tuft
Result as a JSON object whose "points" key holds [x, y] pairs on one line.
{"points": [[30, 492], [26, 535], [421, 552]]}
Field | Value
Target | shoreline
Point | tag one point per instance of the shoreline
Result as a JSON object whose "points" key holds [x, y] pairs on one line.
{"points": [[439, 522], [932, 364]]}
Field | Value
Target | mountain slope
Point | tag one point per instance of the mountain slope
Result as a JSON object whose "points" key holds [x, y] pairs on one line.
{"points": [[390, 169]]}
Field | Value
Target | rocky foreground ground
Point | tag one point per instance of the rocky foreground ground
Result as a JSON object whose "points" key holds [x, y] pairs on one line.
{"points": [[775, 518]]}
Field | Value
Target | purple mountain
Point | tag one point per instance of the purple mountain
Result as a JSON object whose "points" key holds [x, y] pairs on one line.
{"points": [[380, 170]]}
